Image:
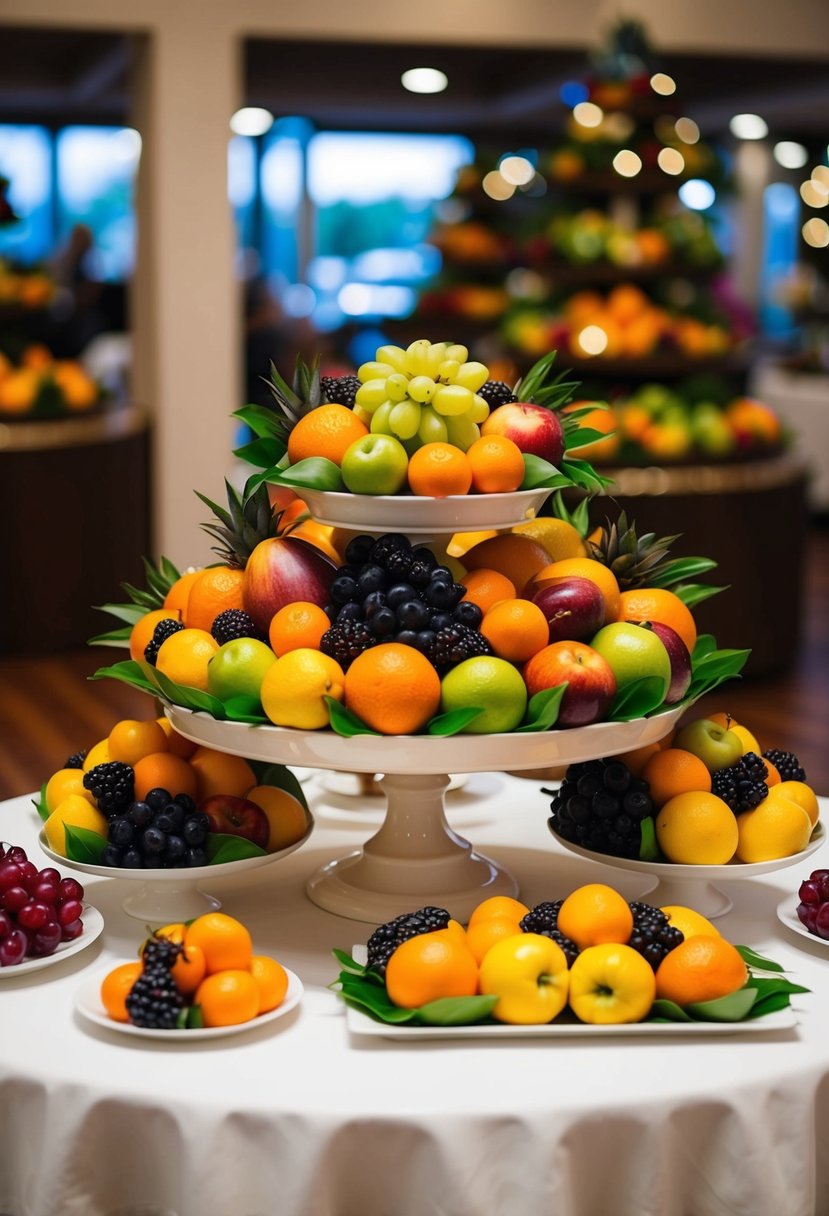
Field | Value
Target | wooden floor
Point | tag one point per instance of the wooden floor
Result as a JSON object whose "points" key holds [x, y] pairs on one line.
{"points": [[49, 708]]}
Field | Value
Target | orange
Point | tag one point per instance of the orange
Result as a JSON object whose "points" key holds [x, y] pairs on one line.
{"points": [[115, 988], [639, 757], [176, 743], [626, 302], [327, 431], [189, 968], [595, 914], [225, 941], [144, 627], [497, 464], [516, 630], [220, 773], [772, 774], [216, 589], [439, 469], [130, 740], [660, 605], [484, 935], [673, 772], [584, 567], [184, 656], [162, 770], [179, 594], [271, 979], [428, 967], [498, 905], [487, 587], [320, 536], [393, 688], [286, 815], [297, 625], [37, 356], [702, 968], [603, 450], [518, 558], [228, 998]]}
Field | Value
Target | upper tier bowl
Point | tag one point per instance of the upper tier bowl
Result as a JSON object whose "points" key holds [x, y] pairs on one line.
{"points": [[415, 514]]}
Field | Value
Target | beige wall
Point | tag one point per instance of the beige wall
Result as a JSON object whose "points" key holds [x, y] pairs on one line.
{"points": [[188, 82]]}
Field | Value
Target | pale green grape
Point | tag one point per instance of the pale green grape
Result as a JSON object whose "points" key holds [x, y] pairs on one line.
{"points": [[417, 358], [479, 409], [437, 355], [462, 431], [380, 424], [432, 427], [405, 419], [458, 352], [452, 399], [374, 371], [371, 394], [448, 370], [421, 388], [393, 355], [472, 376], [363, 414], [397, 386]]}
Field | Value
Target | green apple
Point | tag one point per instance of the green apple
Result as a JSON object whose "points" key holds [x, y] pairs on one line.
{"points": [[528, 973], [632, 652], [716, 746], [375, 464], [490, 684], [238, 668]]}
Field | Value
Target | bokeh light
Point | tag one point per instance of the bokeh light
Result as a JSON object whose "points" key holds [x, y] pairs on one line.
{"points": [[687, 130], [813, 195], [251, 120], [790, 155], [627, 163], [748, 126], [588, 114], [424, 80], [497, 187], [592, 340], [517, 170], [697, 194], [663, 84], [816, 233], [671, 161]]}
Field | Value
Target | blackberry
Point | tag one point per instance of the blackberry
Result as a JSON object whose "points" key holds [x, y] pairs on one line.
{"points": [[75, 760], [384, 546], [451, 646], [233, 623], [358, 549], [385, 939], [496, 393], [786, 763], [543, 919], [112, 785], [154, 1000], [652, 935], [742, 785], [600, 806], [163, 630], [345, 641], [340, 389]]}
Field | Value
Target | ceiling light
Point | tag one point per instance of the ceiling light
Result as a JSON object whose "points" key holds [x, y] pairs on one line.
{"points": [[251, 120], [424, 80], [662, 84], [627, 163], [697, 194], [790, 154], [748, 126]]}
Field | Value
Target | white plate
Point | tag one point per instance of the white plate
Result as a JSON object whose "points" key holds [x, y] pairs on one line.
{"points": [[415, 514], [88, 1004], [406, 754], [93, 926], [787, 915]]}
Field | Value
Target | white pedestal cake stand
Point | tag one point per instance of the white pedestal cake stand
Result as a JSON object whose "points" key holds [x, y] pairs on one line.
{"points": [[415, 858]]}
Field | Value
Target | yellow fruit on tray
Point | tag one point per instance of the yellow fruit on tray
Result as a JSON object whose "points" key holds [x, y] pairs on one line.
{"points": [[184, 657], [64, 782], [286, 815], [802, 794], [528, 973], [689, 922], [611, 985], [776, 828], [294, 689], [697, 829], [75, 812]]}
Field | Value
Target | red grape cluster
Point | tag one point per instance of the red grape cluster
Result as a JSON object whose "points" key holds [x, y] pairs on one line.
{"points": [[38, 908], [813, 909]]}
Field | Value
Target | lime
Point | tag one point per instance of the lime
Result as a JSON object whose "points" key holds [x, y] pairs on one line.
{"points": [[490, 684]]}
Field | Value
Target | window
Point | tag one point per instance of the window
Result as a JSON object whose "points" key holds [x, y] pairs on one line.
{"points": [[95, 183], [25, 159]]}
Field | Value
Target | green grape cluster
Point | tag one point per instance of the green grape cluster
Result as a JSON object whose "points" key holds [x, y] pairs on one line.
{"points": [[427, 393]]}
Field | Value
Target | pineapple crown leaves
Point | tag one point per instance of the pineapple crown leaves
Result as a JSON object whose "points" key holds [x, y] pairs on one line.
{"points": [[293, 401], [249, 519], [578, 518], [140, 600], [539, 388]]}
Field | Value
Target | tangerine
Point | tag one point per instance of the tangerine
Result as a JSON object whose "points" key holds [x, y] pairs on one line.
{"points": [[595, 914], [228, 998], [438, 470], [675, 771], [297, 625], [328, 431], [217, 589], [697, 828], [487, 587], [162, 770], [660, 605], [393, 688], [518, 558], [176, 743], [702, 968], [143, 629], [189, 968], [516, 630], [116, 987], [428, 967], [271, 979], [584, 567], [183, 657], [498, 905], [130, 740], [497, 464], [225, 942], [178, 597], [482, 936], [220, 773]]}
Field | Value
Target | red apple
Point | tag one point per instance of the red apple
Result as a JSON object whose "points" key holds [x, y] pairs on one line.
{"points": [[680, 661], [237, 817], [591, 684], [533, 428], [574, 608], [280, 571]]}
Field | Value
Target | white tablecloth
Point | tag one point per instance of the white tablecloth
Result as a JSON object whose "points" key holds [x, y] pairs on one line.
{"points": [[301, 1118]]}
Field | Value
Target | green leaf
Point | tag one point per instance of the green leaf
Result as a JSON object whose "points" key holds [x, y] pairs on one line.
{"points": [[361, 991], [453, 722], [39, 803], [581, 437], [731, 1008], [752, 959], [261, 420], [128, 672], [543, 709], [766, 985], [681, 568], [456, 1010], [540, 473], [283, 779], [705, 644], [223, 847], [83, 845], [772, 1003], [315, 473], [195, 1018], [189, 698], [692, 594], [667, 1011], [123, 612], [245, 709], [648, 848], [116, 637], [714, 669], [344, 721], [348, 963], [263, 453], [638, 699]]}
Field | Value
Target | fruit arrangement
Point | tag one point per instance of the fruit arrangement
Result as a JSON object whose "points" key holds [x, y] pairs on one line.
{"points": [[706, 797], [147, 798], [38, 908], [22, 287], [813, 909], [40, 386], [200, 975], [592, 957]]}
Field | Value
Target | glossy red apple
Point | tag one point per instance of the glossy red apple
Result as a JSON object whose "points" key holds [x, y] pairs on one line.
{"points": [[283, 570], [574, 608], [237, 817], [680, 661], [534, 429], [591, 684]]}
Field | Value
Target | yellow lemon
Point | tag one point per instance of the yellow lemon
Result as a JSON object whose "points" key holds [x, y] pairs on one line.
{"points": [[697, 829], [286, 815], [294, 688], [776, 828], [802, 794], [559, 538], [185, 655], [64, 782], [689, 922], [74, 812], [99, 754]]}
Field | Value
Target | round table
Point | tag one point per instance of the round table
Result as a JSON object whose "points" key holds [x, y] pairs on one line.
{"points": [[300, 1117]]}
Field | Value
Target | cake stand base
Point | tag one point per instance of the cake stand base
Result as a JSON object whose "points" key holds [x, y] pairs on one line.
{"points": [[703, 897], [158, 903], [414, 860]]}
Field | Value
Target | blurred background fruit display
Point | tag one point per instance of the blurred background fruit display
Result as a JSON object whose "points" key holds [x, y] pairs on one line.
{"points": [[39, 386]]}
